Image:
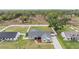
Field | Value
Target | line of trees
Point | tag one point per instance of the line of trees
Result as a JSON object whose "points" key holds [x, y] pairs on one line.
{"points": [[10, 14]]}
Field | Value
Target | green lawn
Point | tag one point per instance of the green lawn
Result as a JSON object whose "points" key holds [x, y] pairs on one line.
{"points": [[60, 39], [17, 29], [72, 44], [44, 28], [30, 44], [8, 45]]}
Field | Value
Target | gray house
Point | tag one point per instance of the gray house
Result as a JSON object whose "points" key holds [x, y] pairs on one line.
{"points": [[70, 35], [42, 35], [9, 35]]}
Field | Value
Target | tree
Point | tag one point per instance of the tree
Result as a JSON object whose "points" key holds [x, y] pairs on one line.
{"points": [[57, 23], [24, 18]]}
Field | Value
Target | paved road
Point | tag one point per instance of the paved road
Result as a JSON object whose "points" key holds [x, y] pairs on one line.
{"points": [[29, 25]]}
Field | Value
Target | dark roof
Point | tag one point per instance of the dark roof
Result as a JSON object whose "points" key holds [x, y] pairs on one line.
{"points": [[7, 35], [38, 33]]}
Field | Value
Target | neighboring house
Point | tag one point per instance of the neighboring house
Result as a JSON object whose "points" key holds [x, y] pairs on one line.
{"points": [[9, 35], [41, 36], [70, 35]]}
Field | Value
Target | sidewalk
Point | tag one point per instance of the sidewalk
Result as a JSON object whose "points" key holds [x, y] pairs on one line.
{"points": [[55, 41]]}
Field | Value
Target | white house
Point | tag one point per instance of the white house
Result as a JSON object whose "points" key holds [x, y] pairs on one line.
{"points": [[70, 35]]}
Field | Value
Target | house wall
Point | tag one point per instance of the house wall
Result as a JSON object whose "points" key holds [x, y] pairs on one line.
{"points": [[7, 39], [18, 34], [64, 36]]}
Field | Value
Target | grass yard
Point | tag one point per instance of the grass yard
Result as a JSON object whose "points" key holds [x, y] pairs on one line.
{"points": [[33, 45], [17, 29], [60, 39], [30, 44], [8, 45], [72, 44], [24, 44], [44, 28]]}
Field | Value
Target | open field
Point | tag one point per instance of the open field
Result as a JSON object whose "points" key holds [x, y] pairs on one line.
{"points": [[44, 28], [17, 29]]}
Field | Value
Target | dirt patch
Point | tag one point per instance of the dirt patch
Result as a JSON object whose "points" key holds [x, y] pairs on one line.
{"points": [[37, 19], [74, 21]]}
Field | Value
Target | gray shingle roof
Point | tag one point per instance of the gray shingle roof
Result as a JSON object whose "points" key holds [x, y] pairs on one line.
{"points": [[38, 33], [46, 36], [71, 34], [7, 35]]}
